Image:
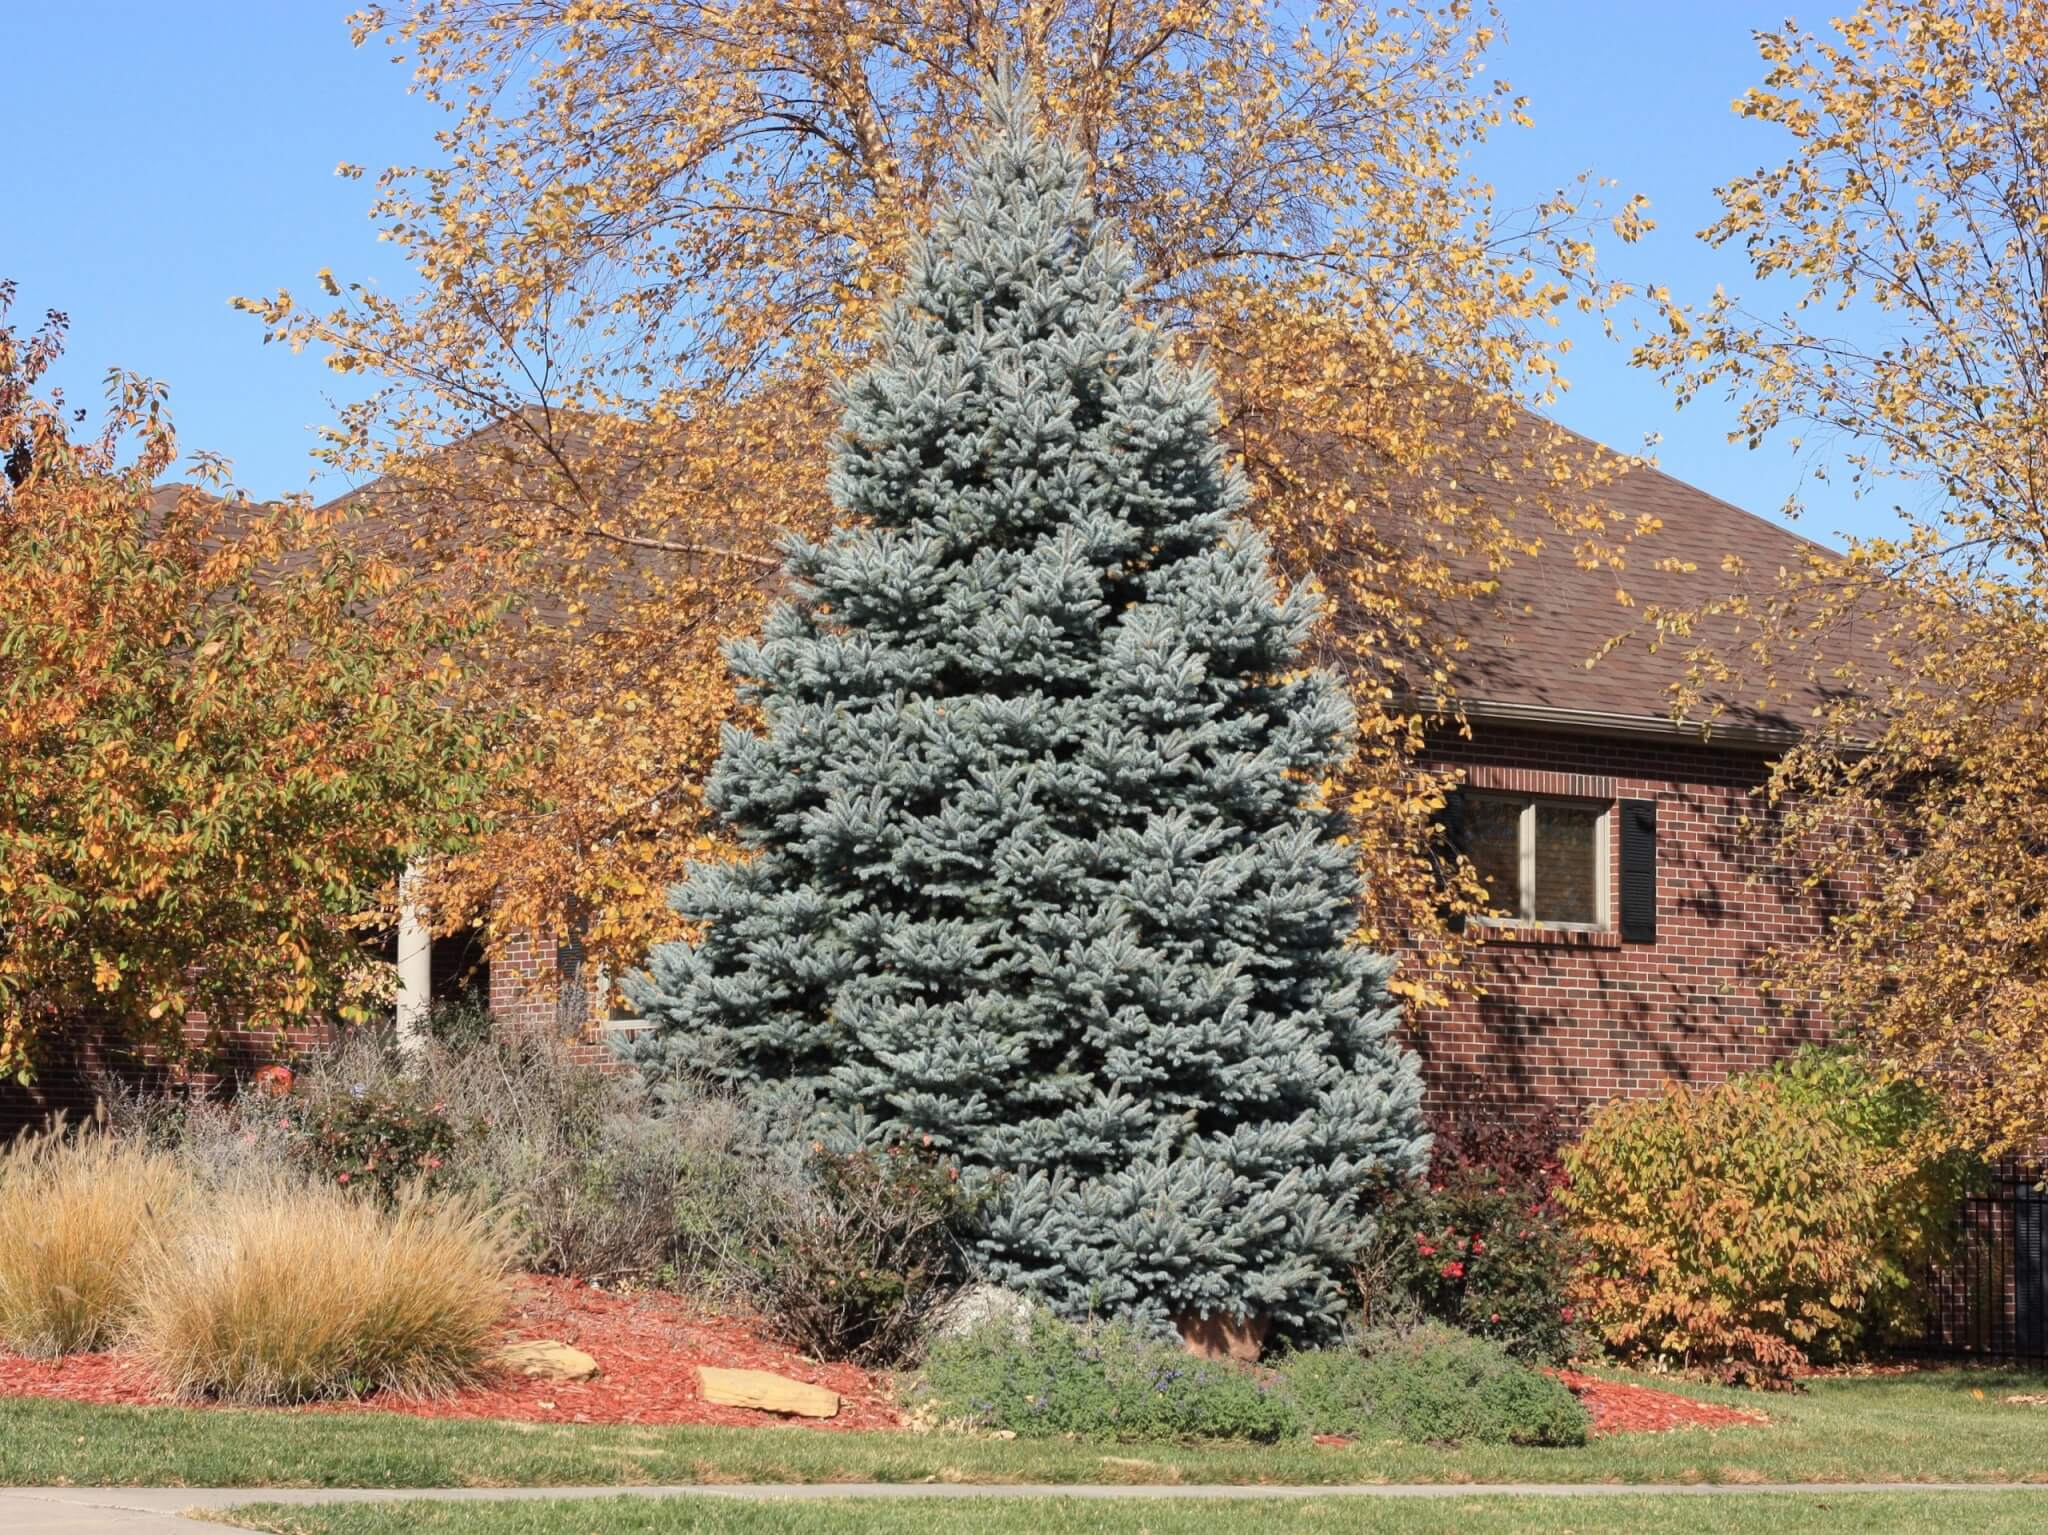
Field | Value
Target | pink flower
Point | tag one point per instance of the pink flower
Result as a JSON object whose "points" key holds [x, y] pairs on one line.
{"points": [[1566, 1313], [1454, 1270], [1478, 1246], [344, 1178]]}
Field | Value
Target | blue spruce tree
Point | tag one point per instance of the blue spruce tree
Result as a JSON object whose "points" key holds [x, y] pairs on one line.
{"points": [[1040, 868]]}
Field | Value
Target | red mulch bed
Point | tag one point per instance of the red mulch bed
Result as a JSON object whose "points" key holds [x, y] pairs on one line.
{"points": [[1619, 1408], [648, 1344]]}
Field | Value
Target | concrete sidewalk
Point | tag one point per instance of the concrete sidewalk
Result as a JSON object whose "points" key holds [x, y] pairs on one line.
{"points": [[180, 1510]]}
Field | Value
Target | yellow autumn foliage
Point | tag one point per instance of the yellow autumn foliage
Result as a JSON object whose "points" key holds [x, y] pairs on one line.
{"points": [[656, 234]]}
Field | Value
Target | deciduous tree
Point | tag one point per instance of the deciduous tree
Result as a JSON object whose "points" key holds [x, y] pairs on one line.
{"points": [[220, 735], [1907, 229], [656, 234]]}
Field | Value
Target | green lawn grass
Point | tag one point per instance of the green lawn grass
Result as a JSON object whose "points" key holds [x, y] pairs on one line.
{"points": [[1948, 1425], [1988, 1513]]}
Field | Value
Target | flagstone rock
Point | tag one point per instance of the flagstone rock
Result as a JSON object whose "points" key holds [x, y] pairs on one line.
{"points": [[766, 1391], [546, 1360]]}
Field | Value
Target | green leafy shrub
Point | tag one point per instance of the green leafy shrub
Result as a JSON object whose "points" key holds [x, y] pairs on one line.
{"points": [[1105, 1381], [289, 1292], [1920, 1173], [79, 1215], [1481, 1254], [378, 1139], [1430, 1384], [1732, 1229]]}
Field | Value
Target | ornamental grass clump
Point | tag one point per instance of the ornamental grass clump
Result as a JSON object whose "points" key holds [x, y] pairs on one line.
{"points": [[290, 1292], [79, 1216]]}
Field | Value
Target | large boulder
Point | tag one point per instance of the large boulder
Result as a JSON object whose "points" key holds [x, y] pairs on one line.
{"points": [[984, 1305]]}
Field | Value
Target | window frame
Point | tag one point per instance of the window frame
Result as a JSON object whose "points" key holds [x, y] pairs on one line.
{"points": [[1525, 843], [605, 1005]]}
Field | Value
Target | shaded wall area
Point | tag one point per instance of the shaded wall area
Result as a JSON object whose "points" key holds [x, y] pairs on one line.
{"points": [[87, 1056]]}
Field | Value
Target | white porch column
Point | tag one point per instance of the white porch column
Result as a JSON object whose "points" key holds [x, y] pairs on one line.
{"points": [[415, 966]]}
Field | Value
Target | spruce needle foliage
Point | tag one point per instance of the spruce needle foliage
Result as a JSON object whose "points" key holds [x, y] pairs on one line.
{"points": [[1043, 873]]}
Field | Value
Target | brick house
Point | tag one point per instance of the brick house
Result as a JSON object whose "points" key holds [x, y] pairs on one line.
{"points": [[1633, 915], [1611, 831], [1612, 834]]}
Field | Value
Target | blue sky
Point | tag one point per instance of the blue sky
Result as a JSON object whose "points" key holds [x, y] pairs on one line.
{"points": [[169, 157]]}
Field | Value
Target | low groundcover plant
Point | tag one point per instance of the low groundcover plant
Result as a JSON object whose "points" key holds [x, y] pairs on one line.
{"points": [[1430, 1384]]}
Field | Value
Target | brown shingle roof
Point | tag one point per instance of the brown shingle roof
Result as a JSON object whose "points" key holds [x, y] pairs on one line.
{"points": [[1531, 641]]}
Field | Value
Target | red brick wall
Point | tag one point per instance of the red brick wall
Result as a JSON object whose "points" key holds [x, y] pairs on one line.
{"points": [[1573, 1019], [69, 1079], [540, 982], [1567, 1020]]}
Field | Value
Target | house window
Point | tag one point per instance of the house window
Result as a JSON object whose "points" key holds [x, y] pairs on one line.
{"points": [[612, 1010], [1543, 861]]}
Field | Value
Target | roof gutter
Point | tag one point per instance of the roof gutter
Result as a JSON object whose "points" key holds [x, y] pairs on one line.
{"points": [[1736, 734]]}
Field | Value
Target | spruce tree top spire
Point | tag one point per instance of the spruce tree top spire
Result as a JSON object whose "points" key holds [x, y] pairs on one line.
{"points": [[1013, 336], [1040, 875]]}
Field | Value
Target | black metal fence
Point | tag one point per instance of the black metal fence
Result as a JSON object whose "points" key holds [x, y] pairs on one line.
{"points": [[1990, 1300]]}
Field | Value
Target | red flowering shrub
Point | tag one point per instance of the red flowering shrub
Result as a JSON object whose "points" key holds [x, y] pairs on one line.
{"points": [[1482, 1253], [378, 1141], [1730, 1229]]}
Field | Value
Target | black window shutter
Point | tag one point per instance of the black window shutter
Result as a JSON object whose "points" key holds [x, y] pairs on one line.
{"points": [[1638, 871], [1450, 823], [2030, 1273]]}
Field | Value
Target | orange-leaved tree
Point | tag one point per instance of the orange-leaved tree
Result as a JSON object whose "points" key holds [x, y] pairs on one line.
{"points": [[1907, 226], [219, 742], [657, 234]]}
